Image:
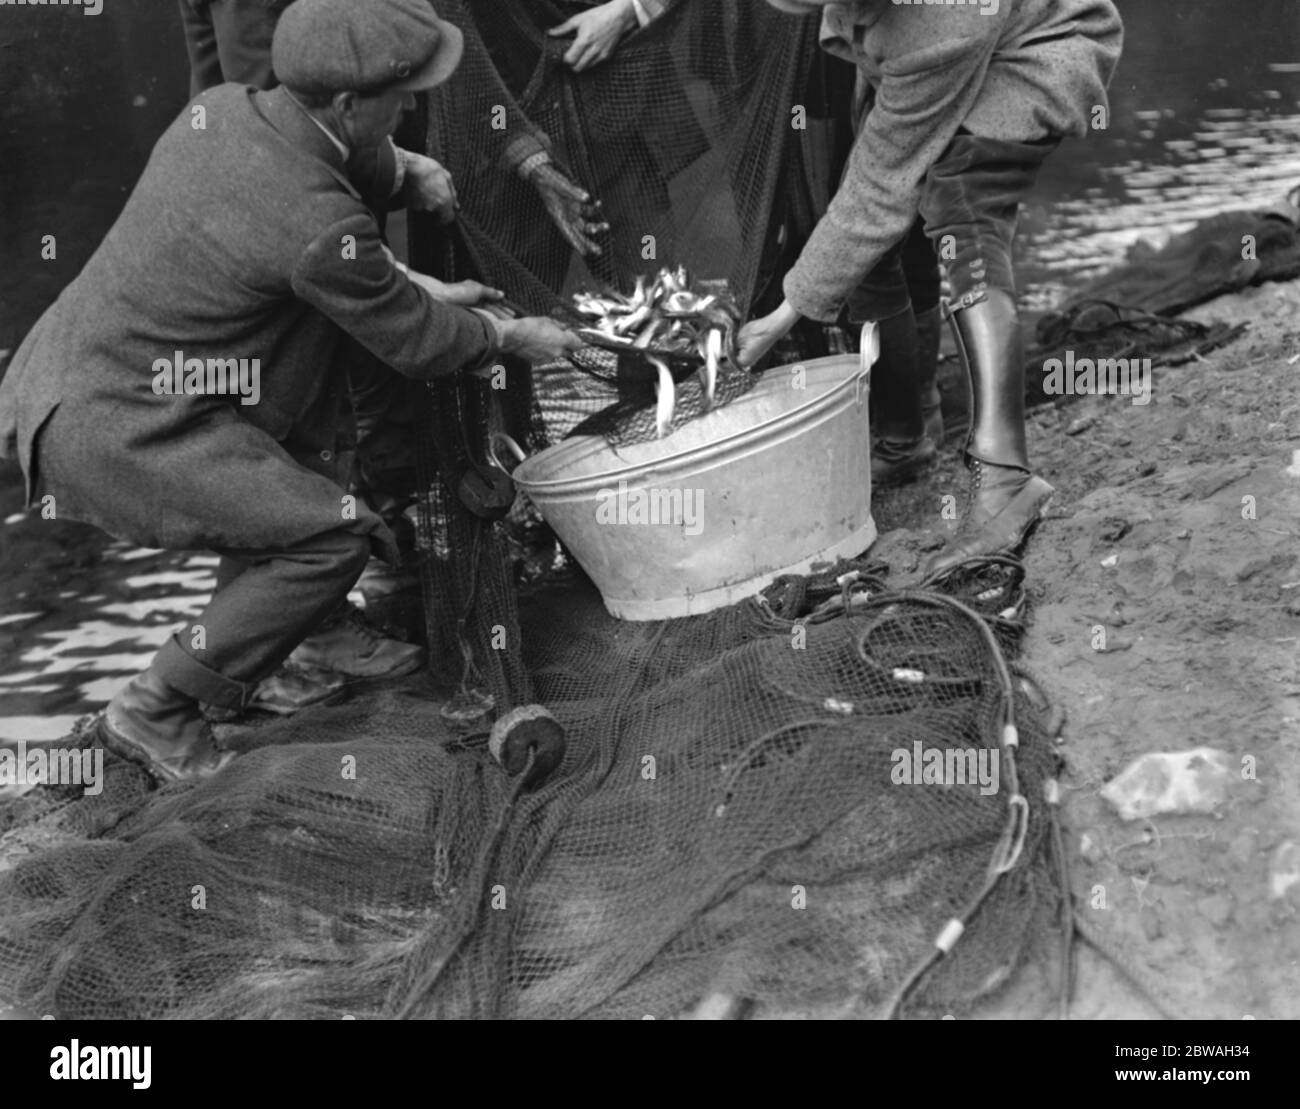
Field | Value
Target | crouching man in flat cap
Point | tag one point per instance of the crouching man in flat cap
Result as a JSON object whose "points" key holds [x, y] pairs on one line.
{"points": [[185, 390]]}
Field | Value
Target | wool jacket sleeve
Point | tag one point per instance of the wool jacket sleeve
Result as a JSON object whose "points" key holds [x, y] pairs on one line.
{"points": [[647, 11], [921, 101], [347, 276]]}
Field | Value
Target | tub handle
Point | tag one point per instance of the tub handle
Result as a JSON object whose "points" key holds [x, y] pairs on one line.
{"points": [[869, 352], [505, 440]]}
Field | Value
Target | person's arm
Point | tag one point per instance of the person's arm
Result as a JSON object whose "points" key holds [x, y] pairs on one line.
{"points": [[923, 99], [422, 184], [647, 11], [347, 275], [924, 96], [598, 31]]}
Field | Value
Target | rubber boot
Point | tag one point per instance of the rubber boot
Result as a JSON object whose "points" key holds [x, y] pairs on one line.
{"points": [[1007, 500], [900, 449], [927, 373], [158, 727]]}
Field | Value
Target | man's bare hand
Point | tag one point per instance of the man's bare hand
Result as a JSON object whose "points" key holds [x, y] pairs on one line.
{"points": [[536, 339], [429, 187], [596, 32], [469, 294], [570, 207], [759, 336]]}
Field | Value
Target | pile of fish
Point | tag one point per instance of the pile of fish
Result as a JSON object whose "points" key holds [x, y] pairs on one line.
{"points": [[670, 317]]}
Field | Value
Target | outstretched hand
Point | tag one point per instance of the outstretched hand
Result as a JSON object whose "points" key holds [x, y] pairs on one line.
{"points": [[570, 207], [759, 336]]}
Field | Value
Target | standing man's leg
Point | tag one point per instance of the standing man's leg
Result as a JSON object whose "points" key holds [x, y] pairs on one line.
{"points": [[921, 271], [970, 202], [900, 448]]}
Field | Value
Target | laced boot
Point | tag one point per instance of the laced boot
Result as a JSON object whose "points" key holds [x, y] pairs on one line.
{"points": [[352, 647], [1007, 500], [158, 727]]}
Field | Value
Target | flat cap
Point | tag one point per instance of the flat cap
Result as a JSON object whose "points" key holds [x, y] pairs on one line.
{"points": [[328, 46]]}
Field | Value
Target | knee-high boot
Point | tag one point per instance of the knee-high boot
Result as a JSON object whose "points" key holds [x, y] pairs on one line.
{"points": [[1007, 500]]}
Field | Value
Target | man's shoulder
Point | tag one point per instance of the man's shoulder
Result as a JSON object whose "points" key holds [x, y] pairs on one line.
{"points": [[236, 142]]}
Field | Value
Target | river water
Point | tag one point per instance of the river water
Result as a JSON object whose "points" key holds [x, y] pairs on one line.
{"points": [[1205, 116]]}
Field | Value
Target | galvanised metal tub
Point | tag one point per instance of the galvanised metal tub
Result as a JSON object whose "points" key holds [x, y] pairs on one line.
{"points": [[773, 483]]}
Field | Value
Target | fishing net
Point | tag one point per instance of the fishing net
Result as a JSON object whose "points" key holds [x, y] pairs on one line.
{"points": [[738, 813], [711, 138]]}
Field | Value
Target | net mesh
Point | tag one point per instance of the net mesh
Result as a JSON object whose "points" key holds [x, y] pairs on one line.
{"points": [[730, 818]]}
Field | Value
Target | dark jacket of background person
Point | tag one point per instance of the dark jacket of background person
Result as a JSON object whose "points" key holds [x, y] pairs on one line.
{"points": [[231, 246], [230, 40], [1032, 69]]}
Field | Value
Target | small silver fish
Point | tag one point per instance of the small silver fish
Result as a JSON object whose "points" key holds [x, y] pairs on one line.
{"points": [[709, 371], [666, 396]]}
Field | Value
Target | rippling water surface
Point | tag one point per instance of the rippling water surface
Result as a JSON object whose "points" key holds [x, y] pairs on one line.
{"points": [[1205, 116]]}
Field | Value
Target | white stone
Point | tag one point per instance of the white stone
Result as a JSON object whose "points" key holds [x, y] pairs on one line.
{"points": [[1194, 781], [1284, 872]]}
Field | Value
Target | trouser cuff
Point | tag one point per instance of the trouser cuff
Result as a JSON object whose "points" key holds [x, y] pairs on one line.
{"points": [[183, 672]]}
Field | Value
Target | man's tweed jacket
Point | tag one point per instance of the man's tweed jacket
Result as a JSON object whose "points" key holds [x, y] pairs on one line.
{"points": [[242, 239], [1003, 69]]}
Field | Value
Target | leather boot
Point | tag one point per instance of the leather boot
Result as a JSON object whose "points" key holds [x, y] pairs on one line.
{"points": [[158, 727], [291, 689], [928, 324], [900, 448], [1007, 500], [352, 647]]}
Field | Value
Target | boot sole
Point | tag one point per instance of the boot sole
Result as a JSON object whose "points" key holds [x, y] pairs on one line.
{"points": [[402, 671]]}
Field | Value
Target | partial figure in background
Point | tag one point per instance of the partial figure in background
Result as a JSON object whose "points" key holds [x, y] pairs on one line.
{"points": [[628, 181], [563, 96], [969, 101], [230, 40]]}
